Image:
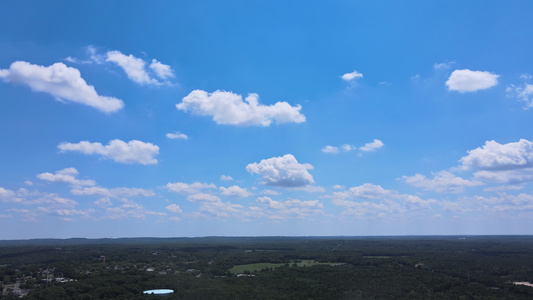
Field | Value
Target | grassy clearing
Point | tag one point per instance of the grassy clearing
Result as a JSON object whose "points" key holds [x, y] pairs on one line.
{"points": [[309, 263], [239, 269]]}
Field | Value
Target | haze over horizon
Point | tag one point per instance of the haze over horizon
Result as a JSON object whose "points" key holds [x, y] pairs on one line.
{"points": [[268, 118]]}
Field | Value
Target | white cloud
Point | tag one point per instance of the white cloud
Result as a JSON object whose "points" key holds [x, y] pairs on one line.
{"points": [[378, 202], [174, 208], [501, 188], [229, 108], [347, 147], [38, 203], [367, 190], [132, 152], [284, 171], [523, 93], [338, 187], [496, 156], [351, 76], [442, 181], [471, 81], [161, 70], [293, 208], [510, 163], [235, 191], [202, 197], [66, 176], [220, 209], [226, 178], [270, 192], [177, 135], [514, 177], [133, 66], [93, 57], [330, 149], [360, 209], [103, 202], [186, 188], [62, 82], [443, 66], [7, 195], [373, 146], [502, 202], [309, 189], [113, 193], [129, 210]]}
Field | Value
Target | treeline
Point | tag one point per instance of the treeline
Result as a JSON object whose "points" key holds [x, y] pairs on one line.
{"points": [[360, 268]]}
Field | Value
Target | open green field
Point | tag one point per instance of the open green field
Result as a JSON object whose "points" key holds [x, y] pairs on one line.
{"points": [[239, 269], [309, 263]]}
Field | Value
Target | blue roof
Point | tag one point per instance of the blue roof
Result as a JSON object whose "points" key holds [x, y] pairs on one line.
{"points": [[159, 292]]}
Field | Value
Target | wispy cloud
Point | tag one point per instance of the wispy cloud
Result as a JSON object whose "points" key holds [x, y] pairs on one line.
{"points": [[177, 135]]}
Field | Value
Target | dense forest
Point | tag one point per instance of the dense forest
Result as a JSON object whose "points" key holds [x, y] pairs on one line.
{"points": [[442, 267]]}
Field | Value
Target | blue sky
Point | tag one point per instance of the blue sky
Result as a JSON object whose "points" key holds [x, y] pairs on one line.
{"points": [[203, 118]]}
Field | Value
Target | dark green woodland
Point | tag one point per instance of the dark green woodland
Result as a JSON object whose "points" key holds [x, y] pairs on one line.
{"points": [[442, 267]]}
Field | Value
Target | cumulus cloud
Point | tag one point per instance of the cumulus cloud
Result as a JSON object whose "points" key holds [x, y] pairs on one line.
{"points": [[129, 153], [367, 190], [62, 82], [373, 146], [351, 76], [133, 66], [284, 171], [235, 191], [161, 70], [229, 108], [513, 177], [67, 175], [177, 135], [471, 81], [174, 208], [496, 156], [186, 188], [442, 181]]}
